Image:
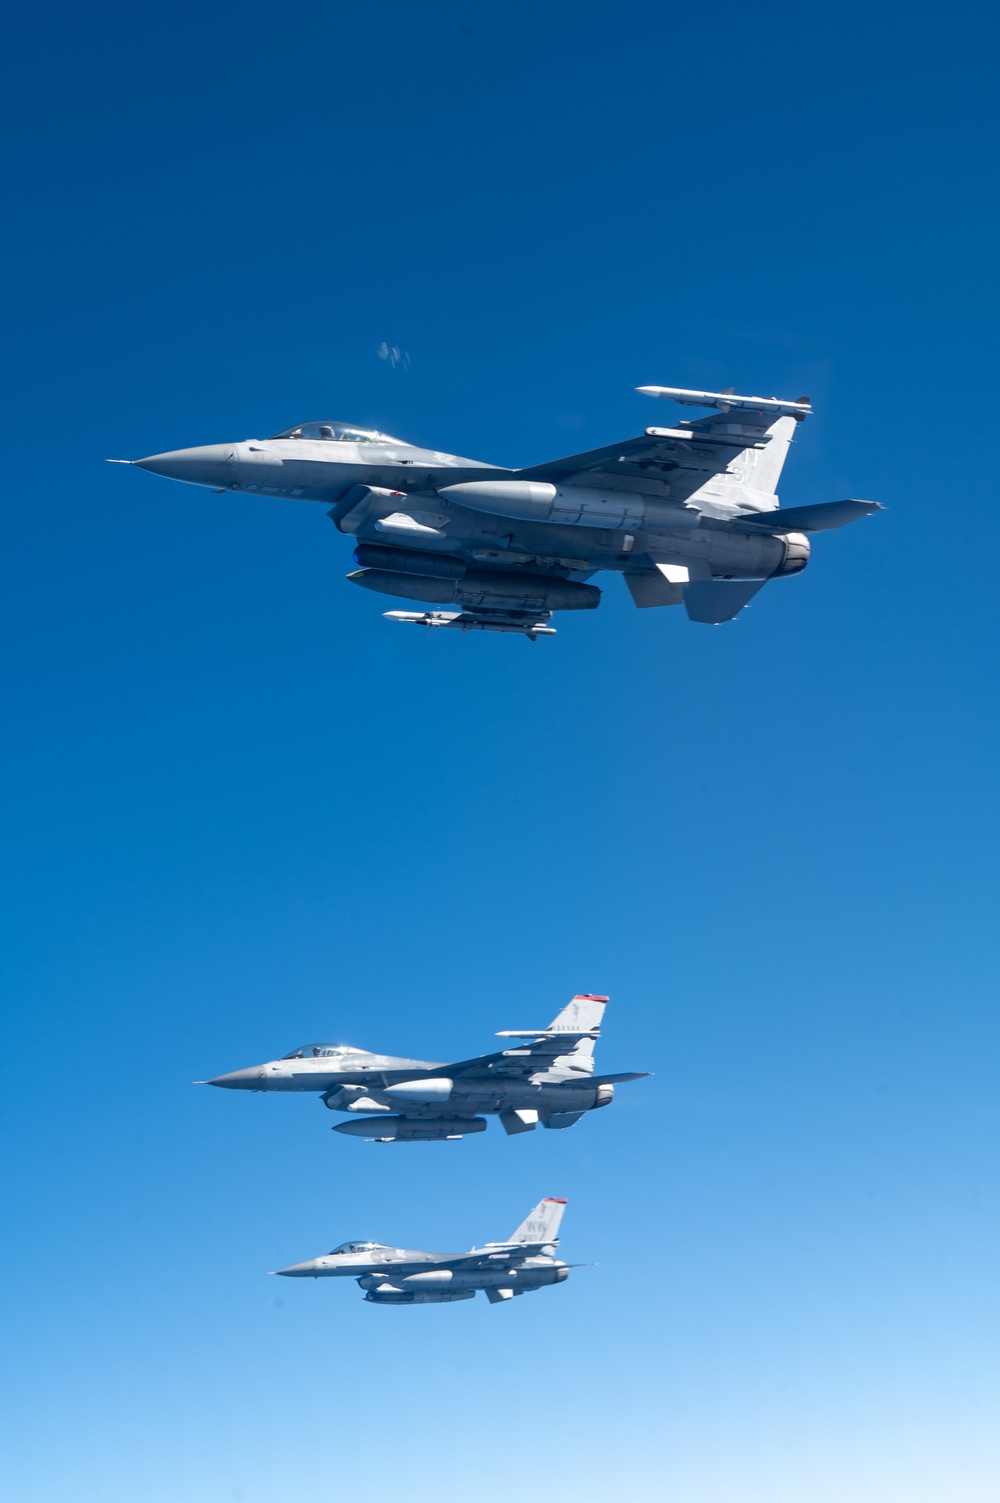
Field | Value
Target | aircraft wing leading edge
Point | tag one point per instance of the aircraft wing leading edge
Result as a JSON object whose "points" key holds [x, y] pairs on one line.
{"points": [[636, 456]]}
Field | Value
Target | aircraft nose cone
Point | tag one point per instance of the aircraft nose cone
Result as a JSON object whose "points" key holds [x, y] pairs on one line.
{"points": [[211, 464], [297, 1270], [240, 1080]]}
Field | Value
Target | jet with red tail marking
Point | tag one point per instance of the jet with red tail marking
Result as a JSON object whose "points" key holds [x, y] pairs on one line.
{"points": [[547, 1077], [402, 1276]]}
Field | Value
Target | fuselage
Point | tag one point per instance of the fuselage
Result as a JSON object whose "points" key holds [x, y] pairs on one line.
{"points": [[312, 469], [351, 1080], [322, 1067], [408, 1261], [387, 494]]}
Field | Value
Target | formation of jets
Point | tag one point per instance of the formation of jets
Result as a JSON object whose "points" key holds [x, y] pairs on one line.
{"points": [[687, 514], [547, 1077]]}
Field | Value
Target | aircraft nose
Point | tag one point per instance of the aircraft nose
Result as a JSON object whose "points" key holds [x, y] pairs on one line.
{"points": [[241, 1080], [211, 464], [298, 1270]]}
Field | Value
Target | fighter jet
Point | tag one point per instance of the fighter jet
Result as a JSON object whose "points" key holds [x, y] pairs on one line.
{"points": [[549, 1078], [399, 1276], [687, 514]]}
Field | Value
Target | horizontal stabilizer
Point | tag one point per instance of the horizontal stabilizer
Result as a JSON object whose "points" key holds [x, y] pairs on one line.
{"points": [[619, 1078], [717, 600], [823, 517]]}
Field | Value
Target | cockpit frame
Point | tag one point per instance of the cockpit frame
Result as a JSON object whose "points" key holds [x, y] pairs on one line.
{"points": [[321, 1051], [329, 431]]}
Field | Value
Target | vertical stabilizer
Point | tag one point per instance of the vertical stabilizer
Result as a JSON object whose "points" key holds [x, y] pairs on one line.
{"points": [[579, 1016], [768, 462], [542, 1225], [763, 421]]}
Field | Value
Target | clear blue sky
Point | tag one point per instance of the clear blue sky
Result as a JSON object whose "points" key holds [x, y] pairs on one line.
{"points": [[242, 811]]}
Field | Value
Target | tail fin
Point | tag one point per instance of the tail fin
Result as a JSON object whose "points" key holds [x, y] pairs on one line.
{"points": [[767, 424], [542, 1225], [765, 465], [579, 1016]]}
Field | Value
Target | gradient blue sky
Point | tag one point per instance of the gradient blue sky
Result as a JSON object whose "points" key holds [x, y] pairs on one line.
{"points": [[242, 811]]}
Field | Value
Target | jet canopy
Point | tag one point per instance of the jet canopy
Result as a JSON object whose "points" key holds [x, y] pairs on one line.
{"points": [[338, 433], [356, 1247], [321, 1051]]}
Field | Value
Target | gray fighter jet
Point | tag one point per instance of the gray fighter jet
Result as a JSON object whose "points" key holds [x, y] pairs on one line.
{"points": [[399, 1276], [686, 514], [549, 1078]]}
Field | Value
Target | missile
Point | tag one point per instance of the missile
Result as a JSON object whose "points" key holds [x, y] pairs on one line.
{"points": [[461, 621], [799, 409]]}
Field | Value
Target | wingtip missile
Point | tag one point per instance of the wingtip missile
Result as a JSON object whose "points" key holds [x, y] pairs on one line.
{"points": [[725, 400], [564, 1035]]}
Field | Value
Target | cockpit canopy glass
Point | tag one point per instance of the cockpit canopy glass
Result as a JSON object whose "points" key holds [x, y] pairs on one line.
{"points": [[338, 433], [321, 1051], [348, 1247]]}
